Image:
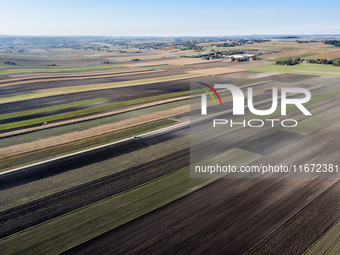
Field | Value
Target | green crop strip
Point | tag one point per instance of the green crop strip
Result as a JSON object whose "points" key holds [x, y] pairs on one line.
{"points": [[51, 108]]}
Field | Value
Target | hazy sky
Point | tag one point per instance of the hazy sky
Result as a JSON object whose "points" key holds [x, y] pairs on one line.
{"points": [[168, 18]]}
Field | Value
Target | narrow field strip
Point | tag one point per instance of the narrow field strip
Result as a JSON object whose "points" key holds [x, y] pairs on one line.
{"points": [[96, 116], [68, 75], [73, 114], [316, 73], [306, 226], [33, 213], [77, 78], [71, 90], [312, 69], [122, 84], [317, 121], [238, 83], [74, 146], [328, 243], [51, 108], [83, 132], [20, 195], [57, 70]]}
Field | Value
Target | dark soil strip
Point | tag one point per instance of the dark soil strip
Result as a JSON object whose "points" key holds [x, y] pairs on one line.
{"points": [[59, 166], [33, 213], [302, 230]]}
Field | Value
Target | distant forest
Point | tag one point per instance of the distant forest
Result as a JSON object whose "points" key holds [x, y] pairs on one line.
{"points": [[333, 42]]}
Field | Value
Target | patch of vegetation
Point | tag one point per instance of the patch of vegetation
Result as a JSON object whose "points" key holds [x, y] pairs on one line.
{"points": [[288, 62], [135, 59], [333, 42], [51, 108], [9, 63], [320, 61]]}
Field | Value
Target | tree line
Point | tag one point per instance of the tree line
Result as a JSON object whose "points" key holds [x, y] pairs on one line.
{"points": [[333, 42]]}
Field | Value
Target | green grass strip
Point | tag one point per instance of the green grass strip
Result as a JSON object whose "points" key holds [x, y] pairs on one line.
{"points": [[102, 108], [238, 83], [58, 70], [51, 108], [294, 57], [69, 230], [312, 69]]}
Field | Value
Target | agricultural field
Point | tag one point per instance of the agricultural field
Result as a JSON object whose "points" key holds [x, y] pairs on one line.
{"points": [[308, 69], [95, 149]]}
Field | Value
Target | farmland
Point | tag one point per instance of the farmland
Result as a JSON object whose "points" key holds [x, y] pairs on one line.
{"points": [[96, 148], [308, 69]]}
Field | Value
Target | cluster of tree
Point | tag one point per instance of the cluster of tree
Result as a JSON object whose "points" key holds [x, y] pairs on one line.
{"points": [[321, 61], [288, 62], [135, 59], [312, 61], [311, 41], [9, 63], [333, 42], [189, 45], [150, 45], [105, 62]]}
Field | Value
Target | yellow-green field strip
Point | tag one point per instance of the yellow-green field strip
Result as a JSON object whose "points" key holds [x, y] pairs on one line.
{"points": [[306, 69], [328, 243], [51, 108]]}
